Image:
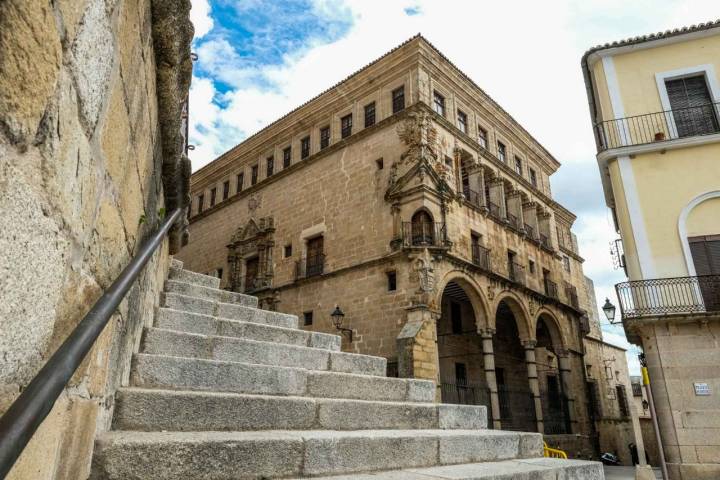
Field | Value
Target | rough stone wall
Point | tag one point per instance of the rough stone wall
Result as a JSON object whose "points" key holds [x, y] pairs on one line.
{"points": [[678, 355], [81, 164]]}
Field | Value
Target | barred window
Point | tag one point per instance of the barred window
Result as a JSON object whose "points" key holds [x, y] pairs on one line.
{"points": [[287, 157], [398, 99], [482, 137], [226, 189], [324, 137], [502, 152], [346, 126], [439, 103], [370, 114], [462, 121], [304, 148], [270, 166]]}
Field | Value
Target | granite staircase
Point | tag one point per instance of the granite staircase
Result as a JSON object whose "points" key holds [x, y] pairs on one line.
{"points": [[223, 390]]}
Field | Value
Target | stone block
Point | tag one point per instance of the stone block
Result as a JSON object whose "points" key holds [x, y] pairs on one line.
{"points": [[192, 278], [420, 391], [361, 364], [468, 446], [361, 415], [172, 455], [246, 314], [362, 387], [30, 65], [462, 416], [214, 294]]}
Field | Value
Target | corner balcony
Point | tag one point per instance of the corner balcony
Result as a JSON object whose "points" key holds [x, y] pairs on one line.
{"points": [[669, 296], [424, 234], [658, 127]]}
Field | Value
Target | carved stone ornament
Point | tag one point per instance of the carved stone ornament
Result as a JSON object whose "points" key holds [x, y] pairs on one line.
{"points": [[254, 202], [255, 239], [420, 136]]}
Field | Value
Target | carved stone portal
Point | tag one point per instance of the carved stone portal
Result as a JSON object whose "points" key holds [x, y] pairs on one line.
{"points": [[250, 256]]}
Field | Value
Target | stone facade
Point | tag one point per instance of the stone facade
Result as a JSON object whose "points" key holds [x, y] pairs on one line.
{"points": [[409, 198], [84, 178]]}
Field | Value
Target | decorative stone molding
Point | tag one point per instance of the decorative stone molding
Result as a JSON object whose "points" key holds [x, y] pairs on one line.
{"points": [[254, 238]]}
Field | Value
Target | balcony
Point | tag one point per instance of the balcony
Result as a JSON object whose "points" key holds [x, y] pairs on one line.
{"points": [[516, 272], [545, 241], [473, 197], [551, 289], [494, 210], [658, 127], [530, 232], [513, 221], [669, 296], [481, 256], [571, 295], [424, 234], [311, 266]]}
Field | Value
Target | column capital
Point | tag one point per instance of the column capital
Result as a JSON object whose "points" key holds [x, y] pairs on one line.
{"points": [[562, 352], [529, 344], [486, 332]]}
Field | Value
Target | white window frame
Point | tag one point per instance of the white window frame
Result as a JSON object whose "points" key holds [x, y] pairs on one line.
{"points": [[707, 70]]}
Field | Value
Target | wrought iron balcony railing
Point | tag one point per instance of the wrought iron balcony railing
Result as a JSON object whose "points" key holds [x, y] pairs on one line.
{"points": [[310, 267], [571, 295], [551, 289], [473, 197], [424, 234], [545, 240], [513, 221], [667, 296], [517, 272], [481, 256], [530, 231], [494, 210], [659, 126]]}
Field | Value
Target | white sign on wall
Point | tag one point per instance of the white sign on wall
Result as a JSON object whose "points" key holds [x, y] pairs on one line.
{"points": [[702, 388]]}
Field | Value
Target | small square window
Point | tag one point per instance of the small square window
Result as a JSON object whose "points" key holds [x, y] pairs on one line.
{"points": [[287, 251], [219, 273], [380, 164], [391, 281], [307, 318], [531, 266]]}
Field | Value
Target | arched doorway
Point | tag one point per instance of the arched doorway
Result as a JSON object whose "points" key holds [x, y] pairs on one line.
{"points": [[462, 373], [556, 417], [517, 404]]}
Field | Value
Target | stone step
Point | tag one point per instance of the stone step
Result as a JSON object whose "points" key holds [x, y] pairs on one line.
{"points": [[167, 410], [178, 373], [193, 278], [263, 454], [233, 349], [521, 469], [175, 263], [207, 325], [207, 293], [228, 311]]}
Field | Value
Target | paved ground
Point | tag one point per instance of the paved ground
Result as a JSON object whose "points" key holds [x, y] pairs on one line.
{"points": [[625, 473]]}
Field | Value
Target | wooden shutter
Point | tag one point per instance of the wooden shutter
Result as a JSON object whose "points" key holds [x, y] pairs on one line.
{"points": [[692, 107], [705, 252]]}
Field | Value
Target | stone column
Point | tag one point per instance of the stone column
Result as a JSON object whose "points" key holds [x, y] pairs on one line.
{"points": [[397, 225], [529, 346], [489, 364], [566, 382]]}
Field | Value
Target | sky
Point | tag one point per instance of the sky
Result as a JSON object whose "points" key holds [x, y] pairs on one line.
{"points": [[259, 59]]}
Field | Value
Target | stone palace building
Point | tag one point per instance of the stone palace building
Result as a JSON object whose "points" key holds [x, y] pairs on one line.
{"points": [[410, 199]]}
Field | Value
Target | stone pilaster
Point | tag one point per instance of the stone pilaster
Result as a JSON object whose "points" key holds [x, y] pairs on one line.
{"points": [[489, 363], [566, 381], [529, 346]]}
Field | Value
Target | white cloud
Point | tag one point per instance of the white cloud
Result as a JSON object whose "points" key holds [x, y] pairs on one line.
{"points": [[200, 17]]}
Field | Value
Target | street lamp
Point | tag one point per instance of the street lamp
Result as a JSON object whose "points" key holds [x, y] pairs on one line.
{"points": [[337, 318], [609, 310]]}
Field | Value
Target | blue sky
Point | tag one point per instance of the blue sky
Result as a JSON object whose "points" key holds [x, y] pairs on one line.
{"points": [[259, 59]]}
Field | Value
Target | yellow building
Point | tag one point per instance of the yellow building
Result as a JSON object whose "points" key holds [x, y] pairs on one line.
{"points": [[656, 118]]}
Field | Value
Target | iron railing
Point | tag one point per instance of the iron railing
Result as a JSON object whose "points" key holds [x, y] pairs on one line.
{"points": [[513, 221], [556, 417], [423, 234], [517, 409], [473, 197], [571, 295], [544, 240], [481, 256], [530, 231], [494, 210], [666, 296], [28, 411], [459, 394], [658, 126], [517, 272], [310, 266], [551, 289]]}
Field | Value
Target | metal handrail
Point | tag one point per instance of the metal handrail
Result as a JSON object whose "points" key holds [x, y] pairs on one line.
{"points": [[29, 410]]}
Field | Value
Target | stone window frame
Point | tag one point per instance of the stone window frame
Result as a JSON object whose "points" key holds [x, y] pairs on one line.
{"points": [[307, 315], [391, 277], [226, 190], [393, 90], [287, 250], [370, 106], [324, 138], [462, 125], [439, 102], [506, 151], [346, 125], [269, 166], [308, 234], [213, 197], [304, 149]]}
